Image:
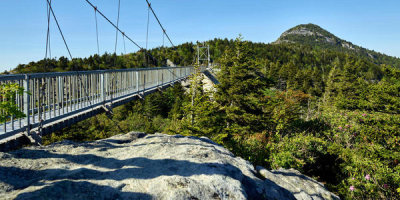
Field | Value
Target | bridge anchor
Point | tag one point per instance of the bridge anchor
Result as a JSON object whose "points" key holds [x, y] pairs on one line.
{"points": [[108, 110], [34, 138]]}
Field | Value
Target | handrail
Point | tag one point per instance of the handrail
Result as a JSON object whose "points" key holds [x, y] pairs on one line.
{"points": [[54, 74], [54, 95]]}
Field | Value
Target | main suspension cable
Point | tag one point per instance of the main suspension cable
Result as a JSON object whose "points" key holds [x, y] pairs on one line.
{"points": [[163, 29], [109, 21], [117, 28], [130, 39], [58, 25]]}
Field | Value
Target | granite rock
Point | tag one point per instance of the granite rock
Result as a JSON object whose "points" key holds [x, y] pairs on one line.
{"points": [[138, 166]]}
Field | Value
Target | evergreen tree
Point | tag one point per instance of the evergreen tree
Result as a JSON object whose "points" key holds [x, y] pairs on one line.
{"points": [[240, 91], [201, 116]]}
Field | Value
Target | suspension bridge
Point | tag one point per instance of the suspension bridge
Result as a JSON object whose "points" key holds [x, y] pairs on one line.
{"points": [[52, 101]]}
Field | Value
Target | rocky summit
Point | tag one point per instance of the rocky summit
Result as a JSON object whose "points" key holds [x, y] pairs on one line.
{"points": [[140, 166]]}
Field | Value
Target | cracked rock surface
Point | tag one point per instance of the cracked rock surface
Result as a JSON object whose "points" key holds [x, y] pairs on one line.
{"points": [[137, 166]]}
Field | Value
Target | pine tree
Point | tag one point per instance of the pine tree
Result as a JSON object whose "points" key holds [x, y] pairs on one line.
{"points": [[346, 87], [201, 116], [240, 92]]}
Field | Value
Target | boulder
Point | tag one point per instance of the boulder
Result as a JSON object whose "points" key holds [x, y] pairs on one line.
{"points": [[301, 186], [135, 166]]}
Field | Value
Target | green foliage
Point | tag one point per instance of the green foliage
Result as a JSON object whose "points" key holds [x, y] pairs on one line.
{"points": [[367, 143], [297, 151], [275, 123], [286, 108], [240, 91], [349, 88], [199, 115], [331, 113], [360, 151], [8, 107], [384, 96]]}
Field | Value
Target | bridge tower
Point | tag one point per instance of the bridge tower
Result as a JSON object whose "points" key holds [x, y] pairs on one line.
{"points": [[203, 55]]}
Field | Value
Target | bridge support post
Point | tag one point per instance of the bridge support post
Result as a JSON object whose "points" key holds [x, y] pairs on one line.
{"points": [[132, 78], [61, 94], [144, 82], [158, 78], [26, 104], [137, 81], [102, 89]]}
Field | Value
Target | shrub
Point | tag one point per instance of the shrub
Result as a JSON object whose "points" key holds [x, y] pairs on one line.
{"points": [[8, 108]]}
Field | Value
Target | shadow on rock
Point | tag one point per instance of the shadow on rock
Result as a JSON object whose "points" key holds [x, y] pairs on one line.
{"points": [[69, 190], [140, 168], [75, 174]]}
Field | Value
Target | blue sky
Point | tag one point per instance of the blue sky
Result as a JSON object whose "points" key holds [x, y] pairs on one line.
{"points": [[374, 24]]}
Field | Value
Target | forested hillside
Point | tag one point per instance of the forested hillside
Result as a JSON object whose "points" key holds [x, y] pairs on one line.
{"points": [[331, 112]]}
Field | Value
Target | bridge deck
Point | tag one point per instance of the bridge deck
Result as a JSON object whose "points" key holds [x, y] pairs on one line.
{"points": [[56, 100]]}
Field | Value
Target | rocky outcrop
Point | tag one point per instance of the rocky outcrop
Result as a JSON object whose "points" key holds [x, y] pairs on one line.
{"points": [[347, 45], [140, 166], [208, 78], [304, 31], [301, 31], [301, 186]]}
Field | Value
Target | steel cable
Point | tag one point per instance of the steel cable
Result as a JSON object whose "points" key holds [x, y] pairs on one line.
{"points": [[163, 29], [59, 28], [97, 31], [48, 32], [116, 31]]}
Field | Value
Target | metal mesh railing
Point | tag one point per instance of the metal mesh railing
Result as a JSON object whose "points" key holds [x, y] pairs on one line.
{"points": [[52, 96]]}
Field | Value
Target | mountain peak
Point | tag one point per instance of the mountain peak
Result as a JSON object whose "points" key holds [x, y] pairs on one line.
{"points": [[309, 26], [314, 35]]}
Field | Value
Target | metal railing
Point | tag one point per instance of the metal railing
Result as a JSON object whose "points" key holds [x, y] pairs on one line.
{"points": [[52, 96]]}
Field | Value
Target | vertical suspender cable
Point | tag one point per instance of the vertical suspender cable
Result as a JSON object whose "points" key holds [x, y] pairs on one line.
{"points": [[116, 33], [119, 30], [50, 46], [155, 16], [97, 31], [69, 52], [48, 22], [147, 35], [123, 37], [48, 50], [59, 28], [116, 39], [162, 28], [148, 22]]}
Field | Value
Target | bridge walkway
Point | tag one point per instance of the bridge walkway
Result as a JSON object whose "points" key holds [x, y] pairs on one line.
{"points": [[52, 101]]}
